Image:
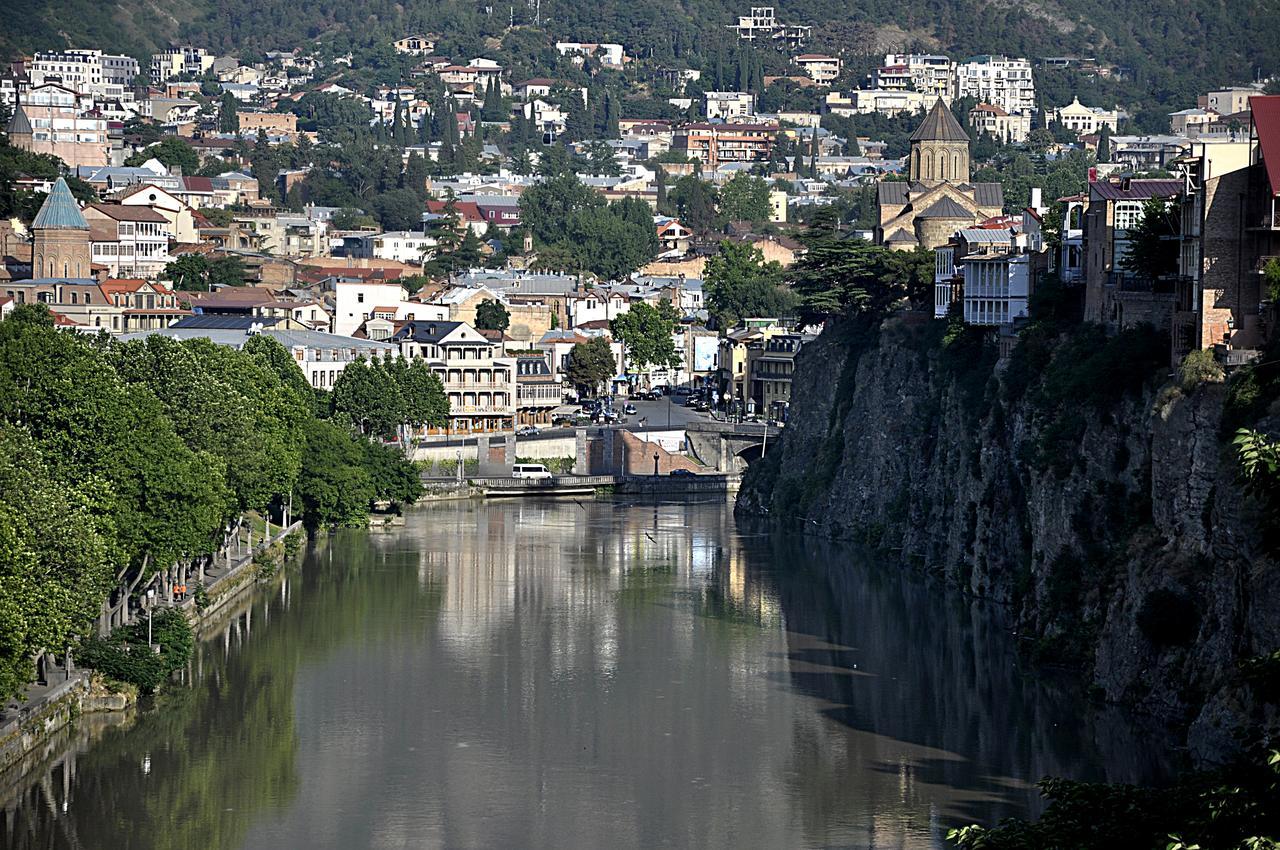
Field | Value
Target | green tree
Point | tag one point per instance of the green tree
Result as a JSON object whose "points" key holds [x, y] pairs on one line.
{"points": [[740, 284], [1104, 144], [1151, 253], [590, 365], [57, 558], [367, 396], [425, 401], [492, 316], [694, 202], [170, 151], [228, 120], [646, 332], [850, 277]]}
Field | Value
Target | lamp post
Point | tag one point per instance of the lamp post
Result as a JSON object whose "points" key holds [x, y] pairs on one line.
{"points": [[151, 595], [655, 463]]}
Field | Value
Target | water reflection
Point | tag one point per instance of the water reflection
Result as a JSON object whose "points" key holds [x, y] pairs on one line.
{"points": [[583, 674]]}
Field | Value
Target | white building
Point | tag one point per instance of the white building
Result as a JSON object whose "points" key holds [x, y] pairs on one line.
{"points": [[480, 385], [1085, 120], [403, 246], [356, 301], [131, 241], [1000, 125], [85, 71], [729, 105], [883, 101], [999, 80], [820, 68], [609, 55], [174, 62], [927, 73]]}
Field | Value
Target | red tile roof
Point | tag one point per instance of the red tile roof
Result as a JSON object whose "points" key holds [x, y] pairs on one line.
{"points": [[1266, 124]]}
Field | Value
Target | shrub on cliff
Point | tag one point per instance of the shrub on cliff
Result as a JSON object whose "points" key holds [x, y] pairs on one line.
{"points": [[1199, 367]]}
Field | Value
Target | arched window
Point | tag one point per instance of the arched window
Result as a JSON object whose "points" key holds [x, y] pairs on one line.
{"points": [[942, 166]]}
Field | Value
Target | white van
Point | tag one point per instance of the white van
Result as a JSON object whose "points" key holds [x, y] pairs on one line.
{"points": [[530, 470]]}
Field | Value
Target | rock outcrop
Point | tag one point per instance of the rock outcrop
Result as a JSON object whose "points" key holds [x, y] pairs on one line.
{"points": [[1102, 504]]}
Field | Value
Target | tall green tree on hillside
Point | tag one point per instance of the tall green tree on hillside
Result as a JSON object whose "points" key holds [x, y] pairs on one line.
{"points": [[492, 316], [739, 284], [744, 198]]}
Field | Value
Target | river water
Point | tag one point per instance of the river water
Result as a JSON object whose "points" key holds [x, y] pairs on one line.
{"points": [[584, 674]]}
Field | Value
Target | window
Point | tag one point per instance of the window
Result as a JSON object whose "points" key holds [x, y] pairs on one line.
{"points": [[360, 298]]}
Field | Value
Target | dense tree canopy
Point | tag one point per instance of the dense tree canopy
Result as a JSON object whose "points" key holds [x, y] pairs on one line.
{"points": [[590, 365], [646, 331], [739, 284]]}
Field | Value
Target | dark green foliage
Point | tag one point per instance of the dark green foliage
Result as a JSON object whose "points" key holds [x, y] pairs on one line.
{"points": [[740, 284], [1086, 375], [590, 365], [1229, 808], [343, 474], [610, 240], [125, 656], [492, 316], [847, 277]]}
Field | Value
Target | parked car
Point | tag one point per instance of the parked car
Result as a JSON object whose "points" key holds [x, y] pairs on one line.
{"points": [[535, 471], [630, 410], [680, 473], [527, 431]]}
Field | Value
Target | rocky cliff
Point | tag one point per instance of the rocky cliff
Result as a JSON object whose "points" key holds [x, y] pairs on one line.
{"points": [[1071, 480]]}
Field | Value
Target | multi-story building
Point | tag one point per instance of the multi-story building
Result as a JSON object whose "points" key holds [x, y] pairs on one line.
{"points": [[727, 105], [481, 387], [1216, 291], [772, 367], [174, 62], [1085, 120], [762, 26], [144, 305], [538, 391], [51, 119], [403, 246], [131, 241], [822, 69], [998, 80], [883, 101], [1113, 296], [1191, 122], [997, 275], [608, 55], [1230, 100], [1000, 125], [714, 144], [84, 71], [926, 73]]}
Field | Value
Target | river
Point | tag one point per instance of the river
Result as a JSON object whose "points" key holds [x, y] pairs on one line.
{"points": [[584, 674]]}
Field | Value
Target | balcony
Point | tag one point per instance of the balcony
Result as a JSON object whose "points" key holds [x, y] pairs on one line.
{"points": [[1130, 282]]}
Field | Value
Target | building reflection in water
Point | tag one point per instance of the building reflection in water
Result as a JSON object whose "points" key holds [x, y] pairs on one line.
{"points": [[587, 674]]}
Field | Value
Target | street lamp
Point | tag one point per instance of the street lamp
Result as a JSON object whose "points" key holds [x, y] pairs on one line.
{"points": [[151, 595]]}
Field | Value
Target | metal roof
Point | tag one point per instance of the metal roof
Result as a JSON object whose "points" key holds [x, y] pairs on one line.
{"points": [[946, 208], [315, 340], [940, 126], [60, 211], [1266, 124], [1136, 190], [207, 321], [18, 123]]}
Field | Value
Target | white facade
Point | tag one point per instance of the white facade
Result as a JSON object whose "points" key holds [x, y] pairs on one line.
{"points": [[998, 80], [1085, 120], [927, 73], [176, 61], [728, 105], [403, 246], [355, 302], [996, 288], [820, 68], [86, 71], [944, 267]]}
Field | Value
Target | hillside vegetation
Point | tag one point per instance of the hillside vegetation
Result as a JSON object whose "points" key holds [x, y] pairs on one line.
{"points": [[1176, 47]]}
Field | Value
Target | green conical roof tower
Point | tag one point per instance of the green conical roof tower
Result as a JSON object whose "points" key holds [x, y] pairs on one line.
{"points": [[60, 211]]}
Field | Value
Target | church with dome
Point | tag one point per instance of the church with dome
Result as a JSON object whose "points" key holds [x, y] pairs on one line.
{"points": [[938, 198]]}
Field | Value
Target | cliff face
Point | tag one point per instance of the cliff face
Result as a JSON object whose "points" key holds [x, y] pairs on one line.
{"points": [[1110, 518]]}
